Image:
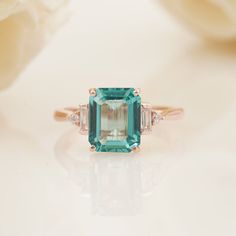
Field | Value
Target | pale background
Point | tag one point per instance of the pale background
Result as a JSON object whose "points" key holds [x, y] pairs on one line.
{"points": [[183, 182]]}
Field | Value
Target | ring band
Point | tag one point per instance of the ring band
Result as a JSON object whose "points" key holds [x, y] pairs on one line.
{"points": [[115, 118]]}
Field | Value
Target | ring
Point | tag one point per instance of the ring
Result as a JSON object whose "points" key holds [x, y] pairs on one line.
{"points": [[115, 118]]}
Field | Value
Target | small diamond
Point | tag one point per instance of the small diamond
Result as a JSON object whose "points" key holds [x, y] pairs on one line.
{"points": [[156, 118], [74, 118]]}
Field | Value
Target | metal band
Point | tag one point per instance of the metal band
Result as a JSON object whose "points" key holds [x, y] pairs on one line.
{"points": [[168, 113], [64, 114]]}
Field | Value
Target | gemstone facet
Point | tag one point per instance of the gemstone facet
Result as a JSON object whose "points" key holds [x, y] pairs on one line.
{"points": [[114, 119]]}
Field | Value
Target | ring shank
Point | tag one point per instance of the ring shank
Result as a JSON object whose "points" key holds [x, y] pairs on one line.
{"points": [[63, 114], [169, 113]]}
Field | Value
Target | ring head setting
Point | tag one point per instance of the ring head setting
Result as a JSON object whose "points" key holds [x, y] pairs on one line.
{"points": [[115, 119]]}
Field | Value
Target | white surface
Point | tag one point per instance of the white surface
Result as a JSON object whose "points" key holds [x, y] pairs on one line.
{"points": [[183, 182]]}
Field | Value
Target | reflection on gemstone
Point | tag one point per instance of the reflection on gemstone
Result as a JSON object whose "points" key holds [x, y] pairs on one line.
{"points": [[114, 120]]}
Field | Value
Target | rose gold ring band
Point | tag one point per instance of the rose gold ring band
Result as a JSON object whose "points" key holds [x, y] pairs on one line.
{"points": [[64, 114]]}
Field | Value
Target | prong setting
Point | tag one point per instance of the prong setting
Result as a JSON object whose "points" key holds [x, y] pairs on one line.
{"points": [[136, 149], [136, 92], [146, 118], [92, 92], [92, 148]]}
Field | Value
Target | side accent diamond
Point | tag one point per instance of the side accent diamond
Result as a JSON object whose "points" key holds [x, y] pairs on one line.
{"points": [[146, 118], [74, 118], [84, 119], [156, 118]]}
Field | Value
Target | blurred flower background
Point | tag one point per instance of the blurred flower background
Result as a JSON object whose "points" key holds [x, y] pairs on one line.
{"points": [[26, 25], [213, 19]]}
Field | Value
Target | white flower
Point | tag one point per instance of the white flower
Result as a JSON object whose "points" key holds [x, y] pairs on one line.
{"points": [[8, 7], [215, 19], [25, 27]]}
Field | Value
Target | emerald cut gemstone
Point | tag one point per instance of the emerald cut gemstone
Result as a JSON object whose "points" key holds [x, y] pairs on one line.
{"points": [[114, 119]]}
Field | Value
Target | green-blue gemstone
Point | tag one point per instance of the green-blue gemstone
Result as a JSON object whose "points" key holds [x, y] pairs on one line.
{"points": [[114, 119]]}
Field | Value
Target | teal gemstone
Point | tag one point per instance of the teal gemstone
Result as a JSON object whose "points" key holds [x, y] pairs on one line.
{"points": [[114, 120]]}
